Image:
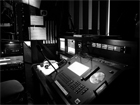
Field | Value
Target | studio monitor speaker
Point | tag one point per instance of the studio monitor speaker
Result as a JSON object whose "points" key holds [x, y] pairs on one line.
{"points": [[43, 12]]}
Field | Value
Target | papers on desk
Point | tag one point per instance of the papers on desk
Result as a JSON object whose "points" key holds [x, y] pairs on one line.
{"points": [[49, 70]]}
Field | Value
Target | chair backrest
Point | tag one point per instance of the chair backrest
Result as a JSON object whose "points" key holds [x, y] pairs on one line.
{"points": [[10, 87]]}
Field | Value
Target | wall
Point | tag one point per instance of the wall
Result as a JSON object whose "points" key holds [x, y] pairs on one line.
{"points": [[90, 17], [122, 18]]}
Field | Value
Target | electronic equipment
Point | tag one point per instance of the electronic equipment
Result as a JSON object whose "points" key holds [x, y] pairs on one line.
{"points": [[42, 52], [11, 48], [111, 48], [74, 45], [81, 80], [62, 44], [46, 68], [13, 71], [122, 51], [62, 63], [97, 63], [62, 56], [12, 67], [71, 46], [11, 63], [43, 12]]}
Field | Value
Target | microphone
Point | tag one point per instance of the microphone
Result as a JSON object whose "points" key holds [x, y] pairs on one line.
{"points": [[41, 50]]}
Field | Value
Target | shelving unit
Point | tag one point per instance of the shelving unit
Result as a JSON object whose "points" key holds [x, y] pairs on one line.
{"points": [[11, 47]]}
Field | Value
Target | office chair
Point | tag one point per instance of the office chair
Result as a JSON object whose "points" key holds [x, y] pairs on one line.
{"points": [[10, 91]]}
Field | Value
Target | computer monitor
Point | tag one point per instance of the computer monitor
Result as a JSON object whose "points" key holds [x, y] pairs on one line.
{"points": [[71, 46], [62, 44]]}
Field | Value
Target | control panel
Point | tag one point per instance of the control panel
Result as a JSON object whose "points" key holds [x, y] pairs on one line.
{"points": [[81, 80]]}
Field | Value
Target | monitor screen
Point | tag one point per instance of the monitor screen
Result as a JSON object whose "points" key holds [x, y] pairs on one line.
{"points": [[11, 48], [62, 44], [37, 33], [71, 46]]}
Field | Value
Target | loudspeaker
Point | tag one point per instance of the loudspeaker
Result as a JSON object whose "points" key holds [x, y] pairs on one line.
{"points": [[43, 12]]}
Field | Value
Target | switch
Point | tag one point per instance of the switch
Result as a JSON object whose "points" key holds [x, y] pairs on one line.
{"points": [[69, 63], [77, 101], [111, 71]]}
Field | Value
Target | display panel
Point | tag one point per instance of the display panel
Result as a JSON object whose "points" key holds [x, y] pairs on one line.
{"points": [[78, 68], [98, 45], [62, 44], [104, 46], [36, 20], [37, 33], [71, 46], [110, 47], [93, 44], [117, 48]]}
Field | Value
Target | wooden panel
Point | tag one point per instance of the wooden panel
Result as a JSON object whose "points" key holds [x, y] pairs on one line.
{"points": [[76, 16], [103, 17], [85, 17]]}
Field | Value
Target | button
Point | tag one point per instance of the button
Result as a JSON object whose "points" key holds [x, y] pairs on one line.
{"points": [[79, 89], [84, 91], [101, 88], [111, 71], [69, 83], [77, 101]]}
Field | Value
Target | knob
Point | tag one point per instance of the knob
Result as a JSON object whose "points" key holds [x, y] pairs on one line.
{"points": [[69, 63], [111, 71]]}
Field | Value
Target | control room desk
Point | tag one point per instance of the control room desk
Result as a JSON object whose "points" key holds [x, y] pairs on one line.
{"points": [[44, 92]]}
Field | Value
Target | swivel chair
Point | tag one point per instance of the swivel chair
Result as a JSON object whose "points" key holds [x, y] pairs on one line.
{"points": [[10, 91]]}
